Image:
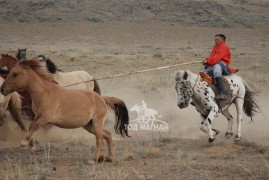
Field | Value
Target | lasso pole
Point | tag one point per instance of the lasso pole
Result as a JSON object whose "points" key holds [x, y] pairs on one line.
{"points": [[136, 72]]}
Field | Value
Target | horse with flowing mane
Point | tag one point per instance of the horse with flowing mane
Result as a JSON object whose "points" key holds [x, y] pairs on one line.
{"points": [[190, 87], [12, 103], [63, 78], [72, 80], [9, 62], [66, 108]]}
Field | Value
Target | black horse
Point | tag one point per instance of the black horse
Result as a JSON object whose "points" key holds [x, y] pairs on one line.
{"points": [[21, 54]]}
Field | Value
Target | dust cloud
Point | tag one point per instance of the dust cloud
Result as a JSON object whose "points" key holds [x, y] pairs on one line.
{"points": [[183, 123]]}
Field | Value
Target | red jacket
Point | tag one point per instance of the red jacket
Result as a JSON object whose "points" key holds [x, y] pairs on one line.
{"points": [[222, 53]]}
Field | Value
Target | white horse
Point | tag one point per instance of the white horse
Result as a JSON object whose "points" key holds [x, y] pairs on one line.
{"points": [[70, 80], [203, 98]]}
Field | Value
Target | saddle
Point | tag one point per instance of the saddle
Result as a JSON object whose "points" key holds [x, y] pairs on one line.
{"points": [[213, 86]]}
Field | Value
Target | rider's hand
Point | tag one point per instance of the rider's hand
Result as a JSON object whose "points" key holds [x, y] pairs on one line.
{"points": [[204, 61]]}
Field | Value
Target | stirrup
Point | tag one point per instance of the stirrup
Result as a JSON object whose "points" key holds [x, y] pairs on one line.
{"points": [[221, 97]]}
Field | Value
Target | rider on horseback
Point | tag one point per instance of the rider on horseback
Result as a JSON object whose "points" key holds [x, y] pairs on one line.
{"points": [[217, 64]]}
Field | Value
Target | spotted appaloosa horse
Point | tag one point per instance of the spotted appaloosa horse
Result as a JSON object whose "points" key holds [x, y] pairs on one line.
{"points": [[188, 88]]}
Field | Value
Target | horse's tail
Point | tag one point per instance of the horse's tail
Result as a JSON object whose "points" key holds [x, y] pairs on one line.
{"points": [[121, 113], [96, 87], [14, 107], [250, 105]]}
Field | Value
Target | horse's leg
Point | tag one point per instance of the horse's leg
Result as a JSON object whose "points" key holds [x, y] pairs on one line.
{"points": [[202, 127], [32, 129], [239, 108], [207, 124], [229, 117], [108, 137], [95, 128]]}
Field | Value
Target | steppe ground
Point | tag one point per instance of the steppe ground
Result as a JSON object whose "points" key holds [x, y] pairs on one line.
{"points": [[111, 37]]}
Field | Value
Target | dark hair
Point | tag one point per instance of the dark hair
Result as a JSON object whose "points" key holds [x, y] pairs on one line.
{"points": [[222, 36]]}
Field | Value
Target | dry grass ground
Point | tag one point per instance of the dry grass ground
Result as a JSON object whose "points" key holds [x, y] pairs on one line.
{"points": [[111, 47]]}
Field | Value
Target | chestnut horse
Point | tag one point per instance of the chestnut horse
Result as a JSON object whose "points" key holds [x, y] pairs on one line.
{"points": [[12, 103], [61, 78], [66, 108], [9, 62], [70, 80]]}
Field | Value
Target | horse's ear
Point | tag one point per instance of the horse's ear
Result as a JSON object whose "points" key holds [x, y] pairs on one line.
{"points": [[25, 49], [177, 76], [185, 76]]}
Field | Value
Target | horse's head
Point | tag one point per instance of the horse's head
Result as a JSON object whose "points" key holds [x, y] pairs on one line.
{"points": [[24, 72], [183, 88], [16, 80], [21, 54], [8, 61]]}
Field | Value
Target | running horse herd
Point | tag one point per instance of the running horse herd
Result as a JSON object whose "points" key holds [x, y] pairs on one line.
{"points": [[37, 88]]}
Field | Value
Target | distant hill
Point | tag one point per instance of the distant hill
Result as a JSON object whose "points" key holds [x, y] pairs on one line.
{"points": [[230, 13]]}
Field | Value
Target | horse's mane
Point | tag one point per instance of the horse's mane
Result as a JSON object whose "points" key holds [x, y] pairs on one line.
{"points": [[9, 56], [38, 68], [52, 68]]}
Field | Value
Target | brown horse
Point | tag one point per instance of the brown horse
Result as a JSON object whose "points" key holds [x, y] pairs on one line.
{"points": [[9, 62], [66, 108], [60, 77], [12, 103]]}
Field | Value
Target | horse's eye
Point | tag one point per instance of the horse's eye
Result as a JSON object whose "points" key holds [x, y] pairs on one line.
{"points": [[15, 75]]}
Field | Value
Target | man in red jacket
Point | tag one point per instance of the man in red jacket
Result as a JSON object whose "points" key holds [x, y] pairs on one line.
{"points": [[217, 64]]}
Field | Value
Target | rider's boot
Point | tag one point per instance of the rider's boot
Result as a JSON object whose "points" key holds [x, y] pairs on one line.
{"points": [[222, 93]]}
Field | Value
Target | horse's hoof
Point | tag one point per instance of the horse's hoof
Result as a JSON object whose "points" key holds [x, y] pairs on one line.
{"points": [[101, 159], [105, 159], [210, 140], [237, 138], [229, 134], [216, 131]]}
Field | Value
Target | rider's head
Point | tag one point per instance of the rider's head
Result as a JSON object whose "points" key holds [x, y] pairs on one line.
{"points": [[219, 38]]}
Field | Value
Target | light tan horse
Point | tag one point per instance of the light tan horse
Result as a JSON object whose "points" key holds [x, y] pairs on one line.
{"points": [[70, 80], [12, 103], [66, 108]]}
